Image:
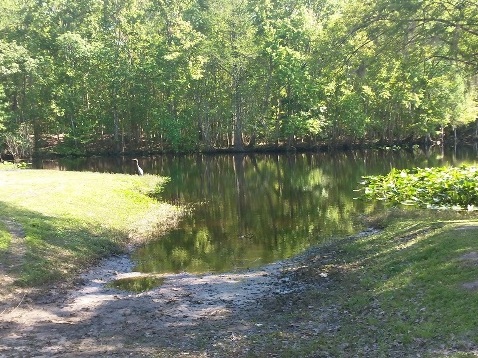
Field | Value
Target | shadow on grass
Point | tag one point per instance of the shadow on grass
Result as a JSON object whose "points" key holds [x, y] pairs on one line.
{"points": [[403, 291], [56, 247], [394, 294]]}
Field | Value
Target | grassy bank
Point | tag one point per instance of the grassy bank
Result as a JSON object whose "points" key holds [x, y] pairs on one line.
{"points": [[409, 290], [52, 222]]}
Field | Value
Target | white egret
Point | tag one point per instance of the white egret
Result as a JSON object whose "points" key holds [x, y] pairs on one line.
{"points": [[138, 168]]}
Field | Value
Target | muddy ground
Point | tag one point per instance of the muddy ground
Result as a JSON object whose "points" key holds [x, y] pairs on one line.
{"points": [[211, 315], [294, 308]]}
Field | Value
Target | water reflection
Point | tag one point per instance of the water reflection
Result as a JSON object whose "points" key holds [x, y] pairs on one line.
{"points": [[136, 284], [251, 210], [254, 209]]}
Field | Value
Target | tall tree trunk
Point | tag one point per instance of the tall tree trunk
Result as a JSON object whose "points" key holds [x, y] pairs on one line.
{"points": [[36, 137], [237, 112], [116, 128]]}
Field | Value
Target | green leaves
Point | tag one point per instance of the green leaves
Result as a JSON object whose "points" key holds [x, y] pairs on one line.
{"points": [[157, 74], [14, 59], [444, 187]]}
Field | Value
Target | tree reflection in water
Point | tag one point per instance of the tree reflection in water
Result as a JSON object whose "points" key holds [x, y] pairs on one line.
{"points": [[250, 210]]}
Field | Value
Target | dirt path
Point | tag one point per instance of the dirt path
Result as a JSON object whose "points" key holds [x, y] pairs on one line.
{"points": [[207, 315], [180, 318], [238, 314]]}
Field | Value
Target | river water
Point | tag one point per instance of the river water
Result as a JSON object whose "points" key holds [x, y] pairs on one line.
{"points": [[249, 210]]}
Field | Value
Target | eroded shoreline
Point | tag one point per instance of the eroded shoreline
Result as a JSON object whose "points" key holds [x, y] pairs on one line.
{"points": [[93, 319]]}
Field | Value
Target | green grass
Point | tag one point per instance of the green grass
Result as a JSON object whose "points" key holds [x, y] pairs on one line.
{"points": [[71, 219], [396, 293], [410, 284], [5, 238], [11, 166]]}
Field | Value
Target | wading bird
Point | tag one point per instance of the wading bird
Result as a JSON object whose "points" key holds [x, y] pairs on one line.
{"points": [[138, 168]]}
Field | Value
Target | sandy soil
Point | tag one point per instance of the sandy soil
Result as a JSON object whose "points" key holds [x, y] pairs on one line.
{"points": [[188, 315], [210, 315]]}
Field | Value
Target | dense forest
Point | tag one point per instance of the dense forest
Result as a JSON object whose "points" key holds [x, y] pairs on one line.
{"points": [[123, 76]]}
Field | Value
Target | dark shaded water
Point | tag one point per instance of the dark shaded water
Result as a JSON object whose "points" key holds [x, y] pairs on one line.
{"points": [[248, 210]]}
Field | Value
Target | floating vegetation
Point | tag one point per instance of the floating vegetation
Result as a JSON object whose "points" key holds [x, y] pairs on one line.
{"points": [[437, 188], [137, 284]]}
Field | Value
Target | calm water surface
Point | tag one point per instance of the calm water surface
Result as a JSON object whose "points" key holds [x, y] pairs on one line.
{"points": [[248, 210]]}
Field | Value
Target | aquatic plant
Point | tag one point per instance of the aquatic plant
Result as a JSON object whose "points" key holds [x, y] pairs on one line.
{"points": [[441, 187]]}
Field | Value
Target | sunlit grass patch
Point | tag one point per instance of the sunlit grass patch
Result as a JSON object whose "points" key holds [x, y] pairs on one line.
{"points": [[71, 219], [8, 166], [5, 238], [412, 294]]}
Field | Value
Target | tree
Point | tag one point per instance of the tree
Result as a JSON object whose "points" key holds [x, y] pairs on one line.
{"points": [[18, 111], [184, 75]]}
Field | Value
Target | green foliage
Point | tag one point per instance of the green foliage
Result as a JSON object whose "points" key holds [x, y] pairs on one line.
{"points": [[442, 187], [184, 75]]}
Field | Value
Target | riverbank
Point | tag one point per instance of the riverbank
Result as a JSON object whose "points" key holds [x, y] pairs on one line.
{"points": [[405, 291], [406, 288]]}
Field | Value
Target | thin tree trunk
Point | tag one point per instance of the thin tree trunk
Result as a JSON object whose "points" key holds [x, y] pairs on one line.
{"points": [[237, 113]]}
